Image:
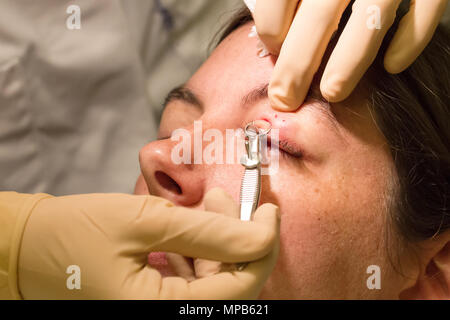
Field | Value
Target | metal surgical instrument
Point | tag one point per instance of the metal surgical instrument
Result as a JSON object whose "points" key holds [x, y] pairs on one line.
{"points": [[255, 140]]}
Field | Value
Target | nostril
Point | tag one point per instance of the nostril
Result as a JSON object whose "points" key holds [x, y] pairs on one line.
{"points": [[167, 182]]}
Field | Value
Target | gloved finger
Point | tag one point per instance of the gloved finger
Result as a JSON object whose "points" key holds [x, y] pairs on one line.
{"points": [[302, 51], [216, 200], [161, 226], [414, 33], [357, 47], [272, 20], [245, 284], [182, 266]]}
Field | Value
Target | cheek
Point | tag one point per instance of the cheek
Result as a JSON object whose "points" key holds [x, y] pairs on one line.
{"points": [[141, 186], [331, 230], [226, 177], [308, 222]]}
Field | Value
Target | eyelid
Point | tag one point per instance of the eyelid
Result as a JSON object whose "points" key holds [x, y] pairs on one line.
{"points": [[287, 147], [290, 149]]}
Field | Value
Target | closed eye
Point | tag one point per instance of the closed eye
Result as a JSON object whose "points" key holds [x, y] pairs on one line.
{"points": [[287, 148]]}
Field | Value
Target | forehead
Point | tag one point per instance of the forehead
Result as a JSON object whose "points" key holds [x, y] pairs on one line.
{"points": [[233, 69]]}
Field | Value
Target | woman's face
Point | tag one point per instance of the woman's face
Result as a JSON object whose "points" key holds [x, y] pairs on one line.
{"points": [[334, 171]]}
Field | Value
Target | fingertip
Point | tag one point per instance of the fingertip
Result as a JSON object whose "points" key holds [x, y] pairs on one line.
{"points": [[219, 201], [269, 215], [205, 268], [280, 102], [334, 89], [216, 193], [397, 58], [270, 208], [392, 64], [272, 42]]}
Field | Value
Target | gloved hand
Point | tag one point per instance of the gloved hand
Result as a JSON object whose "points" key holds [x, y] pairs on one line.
{"points": [[109, 238], [220, 202], [299, 31]]}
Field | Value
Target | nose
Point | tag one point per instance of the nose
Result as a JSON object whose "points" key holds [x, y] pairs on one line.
{"points": [[181, 183]]}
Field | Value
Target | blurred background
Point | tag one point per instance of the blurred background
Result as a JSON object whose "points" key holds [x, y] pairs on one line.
{"points": [[77, 105]]}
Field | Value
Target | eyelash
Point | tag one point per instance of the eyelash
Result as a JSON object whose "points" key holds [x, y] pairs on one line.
{"points": [[287, 150]]}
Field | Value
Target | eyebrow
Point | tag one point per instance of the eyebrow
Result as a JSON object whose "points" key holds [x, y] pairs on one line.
{"points": [[324, 107], [256, 95], [183, 94], [186, 95]]}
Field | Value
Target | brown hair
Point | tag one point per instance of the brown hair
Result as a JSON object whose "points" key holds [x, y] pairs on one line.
{"points": [[412, 111]]}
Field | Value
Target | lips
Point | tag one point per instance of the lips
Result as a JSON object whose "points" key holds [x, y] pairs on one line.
{"points": [[158, 261]]}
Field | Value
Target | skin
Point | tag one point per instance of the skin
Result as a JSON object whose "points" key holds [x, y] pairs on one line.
{"points": [[332, 198]]}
